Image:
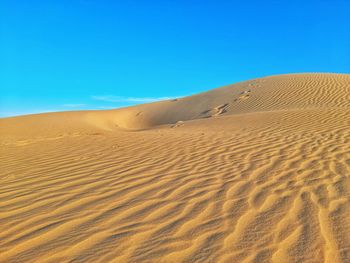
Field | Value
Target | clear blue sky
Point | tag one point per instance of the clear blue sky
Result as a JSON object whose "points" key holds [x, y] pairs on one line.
{"points": [[95, 54]]}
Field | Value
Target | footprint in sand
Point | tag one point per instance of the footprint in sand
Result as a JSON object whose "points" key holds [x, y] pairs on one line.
{"points": [[243, 95], [178, 124], [217, 111], [220, 109]]}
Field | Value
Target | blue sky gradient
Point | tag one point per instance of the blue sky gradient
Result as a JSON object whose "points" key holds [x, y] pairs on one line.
{"points": [[74, 55]]}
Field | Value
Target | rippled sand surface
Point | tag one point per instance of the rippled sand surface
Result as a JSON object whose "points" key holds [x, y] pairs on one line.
{"points": [[257, 171]]}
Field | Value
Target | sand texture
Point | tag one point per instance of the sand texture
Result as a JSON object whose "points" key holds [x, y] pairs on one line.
{"points": [[258, 171]]}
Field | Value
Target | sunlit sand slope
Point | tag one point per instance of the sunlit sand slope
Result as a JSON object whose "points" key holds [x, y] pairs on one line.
{"points": [[258, 171]]}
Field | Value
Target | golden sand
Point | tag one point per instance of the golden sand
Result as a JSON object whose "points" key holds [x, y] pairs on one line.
{"points": [[258, 171]]}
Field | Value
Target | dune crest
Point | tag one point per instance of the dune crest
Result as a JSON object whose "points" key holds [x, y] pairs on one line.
{"points": [[282, 92], [258, 171]]}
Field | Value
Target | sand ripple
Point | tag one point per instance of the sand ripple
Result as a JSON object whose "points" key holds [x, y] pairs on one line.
{"points": [[270, 186]]}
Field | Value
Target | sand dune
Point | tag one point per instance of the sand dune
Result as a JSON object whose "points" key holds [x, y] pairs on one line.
{"points": [[257, 171]]}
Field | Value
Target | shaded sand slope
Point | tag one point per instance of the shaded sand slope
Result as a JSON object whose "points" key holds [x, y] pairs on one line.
{"points": [[264, 178]]}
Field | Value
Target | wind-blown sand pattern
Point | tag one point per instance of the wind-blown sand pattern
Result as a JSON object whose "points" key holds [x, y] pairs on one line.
{"points": [[258, 171]]}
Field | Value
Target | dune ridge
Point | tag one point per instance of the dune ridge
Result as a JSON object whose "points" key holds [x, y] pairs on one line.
{"points": [[258, 171]]}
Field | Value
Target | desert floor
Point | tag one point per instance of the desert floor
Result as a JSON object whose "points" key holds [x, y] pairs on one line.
{"points": [[258, 171]]}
